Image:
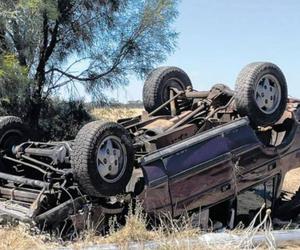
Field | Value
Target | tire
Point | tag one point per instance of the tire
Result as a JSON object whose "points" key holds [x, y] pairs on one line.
{"points": [[155, 91], [94, 137], [261, 93], [12, 132]]}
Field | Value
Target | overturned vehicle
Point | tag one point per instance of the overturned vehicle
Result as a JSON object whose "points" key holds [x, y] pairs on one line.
{"points": [[190, 150]]}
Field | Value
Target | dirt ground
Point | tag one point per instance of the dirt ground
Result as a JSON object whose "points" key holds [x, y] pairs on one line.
{"points": [[292, 181]]}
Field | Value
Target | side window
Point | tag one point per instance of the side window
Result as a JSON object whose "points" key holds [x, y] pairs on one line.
{"points": [[250, 201]]}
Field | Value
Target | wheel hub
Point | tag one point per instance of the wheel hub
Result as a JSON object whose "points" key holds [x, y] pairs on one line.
{"points": [[268, 94], [111, 159]]}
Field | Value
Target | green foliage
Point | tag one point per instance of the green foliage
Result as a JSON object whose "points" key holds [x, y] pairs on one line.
{"points": [[106, 40], [11, 68], [40, 6], [49, 44], [61, 120], [133, 40], [14, 87]]}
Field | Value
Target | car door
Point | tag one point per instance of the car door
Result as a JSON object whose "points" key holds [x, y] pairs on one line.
{"points": [[201, 168]]}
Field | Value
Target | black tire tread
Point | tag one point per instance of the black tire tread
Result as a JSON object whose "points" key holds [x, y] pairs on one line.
{"points": [[151, 89], [85, 140], [12, 122], [244, 93]]}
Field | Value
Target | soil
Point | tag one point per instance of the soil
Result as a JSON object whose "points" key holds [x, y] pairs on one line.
{"points": [[292, 181]]}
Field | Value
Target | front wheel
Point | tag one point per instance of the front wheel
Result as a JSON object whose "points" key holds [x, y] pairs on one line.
{"points": [[261, 93], [103, 158]]}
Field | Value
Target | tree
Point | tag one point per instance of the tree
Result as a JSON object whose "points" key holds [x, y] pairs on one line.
{"points": [[97, 43]]}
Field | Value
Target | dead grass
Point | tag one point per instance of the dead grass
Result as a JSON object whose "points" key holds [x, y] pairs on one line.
{"points": [[19, 238], [135, 230], [113, 114]]}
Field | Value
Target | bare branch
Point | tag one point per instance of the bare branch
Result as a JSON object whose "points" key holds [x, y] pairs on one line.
{"points": [[53, 41]]}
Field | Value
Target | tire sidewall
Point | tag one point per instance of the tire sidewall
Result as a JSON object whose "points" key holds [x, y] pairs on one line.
{"points": [[154, 90], [94, 174], [11, 126], [250, 107], [169, 81]]}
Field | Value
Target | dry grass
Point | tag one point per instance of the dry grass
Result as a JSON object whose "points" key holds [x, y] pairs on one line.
{"points": [[113, 114], [19, 238], [135, 230], [173, 235]]}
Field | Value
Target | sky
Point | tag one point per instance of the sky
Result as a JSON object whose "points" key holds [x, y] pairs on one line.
{"points": [[217, 38]]}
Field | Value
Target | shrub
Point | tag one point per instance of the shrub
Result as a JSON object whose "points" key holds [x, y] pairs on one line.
{"points": [[61, 120]]}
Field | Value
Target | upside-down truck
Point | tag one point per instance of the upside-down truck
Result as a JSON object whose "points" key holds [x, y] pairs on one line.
{"points": [[222, 151]]}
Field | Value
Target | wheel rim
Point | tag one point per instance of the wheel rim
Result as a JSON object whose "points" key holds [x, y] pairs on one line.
{"points": [[268, 94], [111, 159]]}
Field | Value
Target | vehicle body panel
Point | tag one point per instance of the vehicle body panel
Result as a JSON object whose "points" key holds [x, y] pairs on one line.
{"points": [[214, 166]]}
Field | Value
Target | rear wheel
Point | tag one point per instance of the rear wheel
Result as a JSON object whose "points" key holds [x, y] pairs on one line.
{"points": [[12, 133], [261, 93], [157, 86], [102, 158]]}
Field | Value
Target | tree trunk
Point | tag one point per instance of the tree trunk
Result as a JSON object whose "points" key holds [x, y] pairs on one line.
{"points": [[3, 46], [34, 115], [35, 112], [40, 79], [35, 106], [36, 100]]}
